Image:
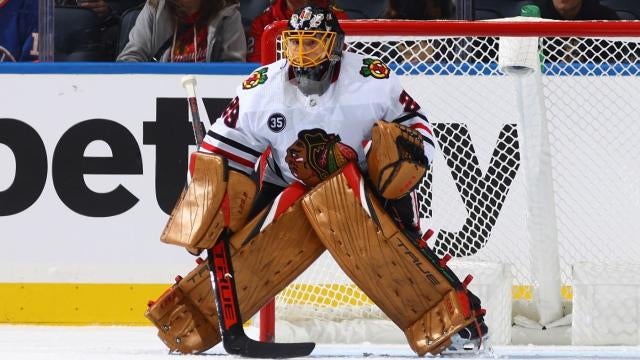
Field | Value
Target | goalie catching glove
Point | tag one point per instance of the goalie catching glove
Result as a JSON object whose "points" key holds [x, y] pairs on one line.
{"points": [[395, 159]]}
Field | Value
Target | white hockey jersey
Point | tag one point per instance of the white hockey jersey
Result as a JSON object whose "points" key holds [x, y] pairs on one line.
{"points": [[312, 136]]}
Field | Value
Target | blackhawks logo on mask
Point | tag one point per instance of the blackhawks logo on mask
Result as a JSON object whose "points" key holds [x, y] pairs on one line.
{"points": [[256, 78], [374, 68]]}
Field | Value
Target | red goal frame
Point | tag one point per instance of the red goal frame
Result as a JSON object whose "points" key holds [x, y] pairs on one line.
{"points": [[462, 28], [444, 28]]}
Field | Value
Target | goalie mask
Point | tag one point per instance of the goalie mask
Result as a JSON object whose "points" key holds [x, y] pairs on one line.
{"points": [[313, 46]]}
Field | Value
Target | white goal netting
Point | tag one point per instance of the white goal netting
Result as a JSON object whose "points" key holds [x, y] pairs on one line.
{"points": [[535, 173]]}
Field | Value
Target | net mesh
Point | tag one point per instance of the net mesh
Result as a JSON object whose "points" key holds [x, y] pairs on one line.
{"points": [[474, 196]]}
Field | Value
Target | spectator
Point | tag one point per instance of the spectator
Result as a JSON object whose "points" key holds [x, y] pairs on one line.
{"points": [[109, 12], [280, 10], [416, 51], [114, 7], [576, 10], [573, 49], [419, 10], [187, 31], [18, 30], [105, 9]]}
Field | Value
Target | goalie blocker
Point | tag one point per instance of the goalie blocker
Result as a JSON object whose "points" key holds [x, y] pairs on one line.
{"points": [[409, 283]]}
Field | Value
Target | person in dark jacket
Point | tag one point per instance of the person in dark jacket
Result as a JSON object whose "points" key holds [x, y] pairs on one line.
{"points": [[109, 13], [569, 50], [576, 10], [419, 10]]}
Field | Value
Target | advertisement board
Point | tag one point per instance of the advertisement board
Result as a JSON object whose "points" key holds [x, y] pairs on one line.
{"points": [[92, 164]]}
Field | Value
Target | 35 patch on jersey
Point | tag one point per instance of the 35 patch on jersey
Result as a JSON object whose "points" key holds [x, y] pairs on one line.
{"points": [[374, 68], [256, 78]]}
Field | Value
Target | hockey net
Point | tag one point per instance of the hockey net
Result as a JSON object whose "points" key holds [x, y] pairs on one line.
{"points": [[536, 182]]}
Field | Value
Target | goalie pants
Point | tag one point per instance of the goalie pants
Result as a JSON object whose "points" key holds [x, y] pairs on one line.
{"points": [[403, 210]]}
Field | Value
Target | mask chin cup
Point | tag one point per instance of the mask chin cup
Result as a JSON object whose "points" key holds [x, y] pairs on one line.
{"points": [[315, 80]]}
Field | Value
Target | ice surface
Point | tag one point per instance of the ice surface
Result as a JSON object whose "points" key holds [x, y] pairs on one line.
{"points": [[21, 342]]}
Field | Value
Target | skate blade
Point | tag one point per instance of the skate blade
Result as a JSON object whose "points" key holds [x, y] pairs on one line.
{"points": [[468, 348]]}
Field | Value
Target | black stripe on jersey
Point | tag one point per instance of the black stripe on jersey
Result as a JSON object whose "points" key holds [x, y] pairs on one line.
{"points": [[428, 140], [274, 166], [374, 216], [410, 116], [234, 144]]}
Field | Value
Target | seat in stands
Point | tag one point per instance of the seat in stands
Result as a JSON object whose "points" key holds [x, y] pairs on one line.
{"points": [[127, 21], [77, 35], [363, 9], [626, 9], [497, 9]]}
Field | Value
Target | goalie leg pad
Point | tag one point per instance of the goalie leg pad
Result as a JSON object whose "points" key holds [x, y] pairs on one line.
{"points": [[432, 332], [272, 250], [198, 218], [185, 314], [267, 254], [407, 286]]}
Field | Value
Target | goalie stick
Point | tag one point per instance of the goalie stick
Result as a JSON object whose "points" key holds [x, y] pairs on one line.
{"points": [[234, 339]]}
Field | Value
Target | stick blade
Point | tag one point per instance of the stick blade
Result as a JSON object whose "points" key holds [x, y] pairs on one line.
{"points": [[244, 346]]}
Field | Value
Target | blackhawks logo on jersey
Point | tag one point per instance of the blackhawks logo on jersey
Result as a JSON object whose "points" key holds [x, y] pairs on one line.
{"points": [[316, 155], [256, 78], [374, 68]]}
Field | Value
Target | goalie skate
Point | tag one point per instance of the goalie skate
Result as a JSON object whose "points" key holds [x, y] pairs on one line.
{"points": [[472, 339]]}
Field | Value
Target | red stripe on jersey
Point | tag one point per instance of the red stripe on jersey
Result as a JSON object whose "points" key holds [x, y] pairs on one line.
{"points": [[228, 155], [289, 196], [263, 165], [423, 127], [192, 164], [352, 174]]}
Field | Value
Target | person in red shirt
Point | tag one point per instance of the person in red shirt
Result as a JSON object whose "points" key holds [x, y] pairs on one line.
{"points": [[280, 10]]}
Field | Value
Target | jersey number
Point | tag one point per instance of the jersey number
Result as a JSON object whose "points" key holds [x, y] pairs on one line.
{"points": [[34, 47], [410, 105], [230, 114]]}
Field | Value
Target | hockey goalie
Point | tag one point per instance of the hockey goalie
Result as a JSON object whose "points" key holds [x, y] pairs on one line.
{"points": [[339, 147]]}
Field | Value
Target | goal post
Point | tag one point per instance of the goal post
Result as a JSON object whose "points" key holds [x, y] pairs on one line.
{"points": [[537, 172]]}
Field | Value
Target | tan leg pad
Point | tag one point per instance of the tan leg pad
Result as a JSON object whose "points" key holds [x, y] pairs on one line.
{"points": [[273, 258], [379, 258], [264, 262], [185, 314], [432, 332]]}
